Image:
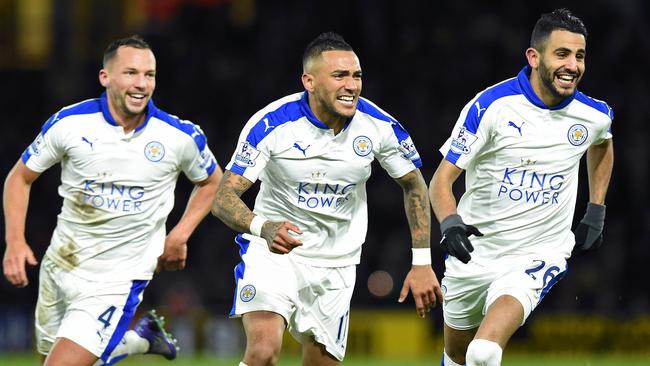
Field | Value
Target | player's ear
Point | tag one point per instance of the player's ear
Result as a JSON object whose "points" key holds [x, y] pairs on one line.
{"points": [[532, 55], [308, 82], [103, 77]]}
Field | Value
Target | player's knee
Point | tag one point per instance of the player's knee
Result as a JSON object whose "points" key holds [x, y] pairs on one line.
{"points": [[262, 353], [482, 352]]}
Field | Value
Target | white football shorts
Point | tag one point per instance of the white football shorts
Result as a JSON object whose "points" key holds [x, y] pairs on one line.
{"points": [[94, 315], [314, 301], [470, 289]]}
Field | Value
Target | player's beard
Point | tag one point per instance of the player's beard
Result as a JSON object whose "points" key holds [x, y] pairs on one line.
{"points": [[329, 107], [548, 76], [122, 106]]}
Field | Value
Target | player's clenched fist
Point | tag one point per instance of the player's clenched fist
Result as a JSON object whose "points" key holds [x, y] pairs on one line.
{"points": [[589, 233], [278, 237], [455, 237]]}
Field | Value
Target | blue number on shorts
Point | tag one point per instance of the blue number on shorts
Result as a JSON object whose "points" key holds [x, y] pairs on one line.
{"points": [[550, 273], [532, 270], [342, 333], [106, 316]]}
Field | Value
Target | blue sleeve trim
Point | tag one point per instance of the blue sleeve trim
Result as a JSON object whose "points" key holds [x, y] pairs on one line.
{"points": [[25, 156], [237, 169], [452, 157], [417, 162], [210, 169]]}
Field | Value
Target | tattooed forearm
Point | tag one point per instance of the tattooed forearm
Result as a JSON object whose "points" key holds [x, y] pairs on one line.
{"points": [[228, 206], [417, 207]]}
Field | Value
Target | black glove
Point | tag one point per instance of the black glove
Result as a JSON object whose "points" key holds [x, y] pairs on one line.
{"points": [[454, 237], [589, 233]]}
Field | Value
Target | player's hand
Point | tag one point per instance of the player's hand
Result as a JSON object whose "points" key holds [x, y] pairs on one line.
{"points": [[175, 253], [421, 281], [455, 235], [589, 233], [13, 263], [278, 236]]}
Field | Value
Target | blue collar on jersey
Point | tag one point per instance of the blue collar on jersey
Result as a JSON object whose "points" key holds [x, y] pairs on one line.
{"points": [[151, 109], [306, 111], [528, 91]]}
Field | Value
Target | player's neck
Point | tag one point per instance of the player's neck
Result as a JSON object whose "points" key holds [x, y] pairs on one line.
{"points": [[128, 122], [334, 122]]}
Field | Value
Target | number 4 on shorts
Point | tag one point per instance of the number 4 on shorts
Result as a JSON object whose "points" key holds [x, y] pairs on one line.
{"points": [[106, 316]]}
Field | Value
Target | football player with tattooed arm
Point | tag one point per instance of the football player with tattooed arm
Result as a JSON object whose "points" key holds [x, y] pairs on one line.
{"points": [[312, 152], [120, 159], [520, 143]]}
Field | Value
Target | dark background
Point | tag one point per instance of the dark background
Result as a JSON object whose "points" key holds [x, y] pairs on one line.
{"points": [[221, 61]]}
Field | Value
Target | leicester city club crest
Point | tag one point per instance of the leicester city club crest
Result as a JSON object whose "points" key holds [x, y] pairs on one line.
{"points": [[577, 134], [247, 293], [154, 151], [362, 145]]}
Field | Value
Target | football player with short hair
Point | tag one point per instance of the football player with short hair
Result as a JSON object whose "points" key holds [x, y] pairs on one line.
{"points": [[520, 143], [120, 159], [312, 152]]}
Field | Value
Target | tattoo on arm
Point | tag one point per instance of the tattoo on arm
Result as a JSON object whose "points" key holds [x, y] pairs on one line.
{"points": [[417, 207], [228, 206]]}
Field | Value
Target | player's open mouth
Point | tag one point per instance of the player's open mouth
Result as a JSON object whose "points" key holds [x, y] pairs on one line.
{"points": [[346, 99], [137, 96], [566, 80]]}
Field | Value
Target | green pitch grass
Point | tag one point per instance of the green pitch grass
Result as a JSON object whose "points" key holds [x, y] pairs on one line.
{"points": [[509, 360]]}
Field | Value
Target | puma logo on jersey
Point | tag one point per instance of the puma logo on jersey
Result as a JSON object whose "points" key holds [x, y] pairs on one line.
{"points": [[88, 142], [267, 126], [478, 109], [512, 124], [304, 151]]}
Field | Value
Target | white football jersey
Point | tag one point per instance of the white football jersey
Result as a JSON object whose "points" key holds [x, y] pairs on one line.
{"points": [[521, 160], [316, 179], [117, 188]]}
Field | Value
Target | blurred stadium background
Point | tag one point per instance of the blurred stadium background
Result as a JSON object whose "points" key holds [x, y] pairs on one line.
{"points": [[219, 61]]}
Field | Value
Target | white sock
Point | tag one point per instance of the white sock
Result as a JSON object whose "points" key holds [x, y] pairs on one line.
{"points": [[447, 361], [130, 344], [482, 352]]}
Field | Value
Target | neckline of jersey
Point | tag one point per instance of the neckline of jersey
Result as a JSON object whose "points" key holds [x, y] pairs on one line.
{"points": [[529, 93], [307, 112], [151, 110]]}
